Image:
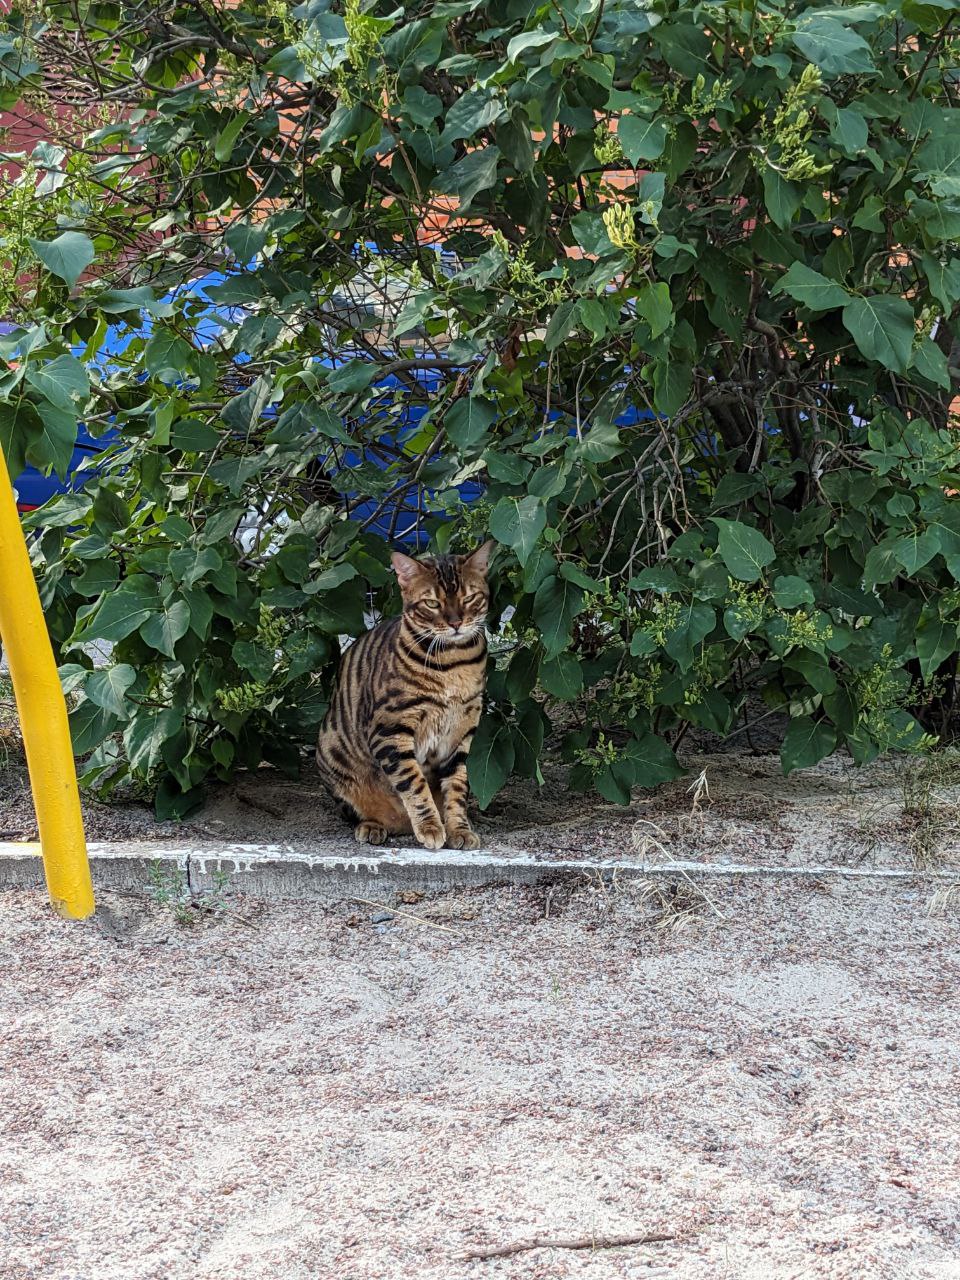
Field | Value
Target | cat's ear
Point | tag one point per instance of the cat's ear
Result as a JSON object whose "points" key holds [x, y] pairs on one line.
{"points": [[479, 560], [405, 567]]}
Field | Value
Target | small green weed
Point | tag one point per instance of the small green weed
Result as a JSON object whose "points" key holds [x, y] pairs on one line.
{"points": [[169, 890], [9, 728]]}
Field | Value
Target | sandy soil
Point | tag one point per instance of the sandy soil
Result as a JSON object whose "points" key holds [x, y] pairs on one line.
{"points": [[283, 1092]]}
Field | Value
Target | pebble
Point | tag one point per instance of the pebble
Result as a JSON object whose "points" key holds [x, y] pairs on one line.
{"points": [[381, 917]]}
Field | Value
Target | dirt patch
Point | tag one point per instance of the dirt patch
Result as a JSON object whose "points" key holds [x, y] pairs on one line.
{"points": [[728, 808], [364, 1093]]}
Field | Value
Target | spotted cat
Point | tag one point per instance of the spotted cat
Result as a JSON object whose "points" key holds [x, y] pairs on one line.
{"points": [[393, 747]]}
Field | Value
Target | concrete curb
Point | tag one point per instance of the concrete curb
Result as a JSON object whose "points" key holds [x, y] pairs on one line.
{"points": [[277, 871]]}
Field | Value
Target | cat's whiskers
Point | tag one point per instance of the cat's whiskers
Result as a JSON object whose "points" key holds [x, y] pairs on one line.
{"points": [[435, 644], [420, 638], [468, 633]]}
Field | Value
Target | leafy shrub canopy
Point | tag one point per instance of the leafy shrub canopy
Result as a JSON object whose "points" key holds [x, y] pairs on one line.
{"points": [[696, 345]]}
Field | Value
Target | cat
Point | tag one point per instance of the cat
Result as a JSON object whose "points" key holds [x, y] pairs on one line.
{"points": [[393, 746]]}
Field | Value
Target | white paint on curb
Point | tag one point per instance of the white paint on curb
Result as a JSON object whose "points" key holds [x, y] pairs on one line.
{"points": [[270, 864]]}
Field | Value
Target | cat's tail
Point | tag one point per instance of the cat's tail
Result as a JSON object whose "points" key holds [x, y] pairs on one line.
{"points": [[329, 779], [348, 812]]}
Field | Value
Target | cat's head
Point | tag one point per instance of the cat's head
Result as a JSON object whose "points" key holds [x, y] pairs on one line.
{"points": [[445, 596]]}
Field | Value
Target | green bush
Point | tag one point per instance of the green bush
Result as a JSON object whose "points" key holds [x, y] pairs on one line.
{"points": [[742, 219]]}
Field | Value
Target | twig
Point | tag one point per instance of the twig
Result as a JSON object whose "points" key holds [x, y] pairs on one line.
{"points": [[706, 897], [213, 909], [561, 1242], [383, 906], [263, 805]]}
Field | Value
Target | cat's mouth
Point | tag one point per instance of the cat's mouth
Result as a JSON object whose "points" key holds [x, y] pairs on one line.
{"points": [[462, 633], [450, 636]]}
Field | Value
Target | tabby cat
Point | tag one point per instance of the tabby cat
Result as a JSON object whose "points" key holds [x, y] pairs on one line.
{"points": [[393, 747]]}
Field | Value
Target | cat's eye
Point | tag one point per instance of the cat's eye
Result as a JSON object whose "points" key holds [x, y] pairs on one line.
{"points": [[473, 600], [432, 604]]}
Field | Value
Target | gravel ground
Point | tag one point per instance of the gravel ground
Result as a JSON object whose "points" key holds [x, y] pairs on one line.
{"points": [[285, 1092]]}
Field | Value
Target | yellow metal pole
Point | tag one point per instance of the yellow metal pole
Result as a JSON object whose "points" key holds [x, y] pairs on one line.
{"points": [[43, 719]]}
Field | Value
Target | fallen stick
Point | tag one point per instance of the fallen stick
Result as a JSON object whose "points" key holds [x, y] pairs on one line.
{"points": [[254, 802], [560, 1242], [411, 915]]}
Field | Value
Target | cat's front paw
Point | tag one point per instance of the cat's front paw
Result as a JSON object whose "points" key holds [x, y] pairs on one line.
{"points": [[463, 838], [370, 833], [431, 835]]}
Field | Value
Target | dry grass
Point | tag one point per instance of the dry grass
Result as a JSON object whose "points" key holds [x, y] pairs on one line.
{"points": [[929, 810], [944, 901], [672, 903], [11, 743], [651, 841], [9, 728], [9, 746]]}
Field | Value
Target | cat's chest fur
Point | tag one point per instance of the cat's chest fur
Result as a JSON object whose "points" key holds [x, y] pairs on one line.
{"points": [[445, 718]]}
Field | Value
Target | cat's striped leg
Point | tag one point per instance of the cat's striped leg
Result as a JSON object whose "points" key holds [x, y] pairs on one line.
{"points": [[395, 755], [452, 777], [368, 801]]}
